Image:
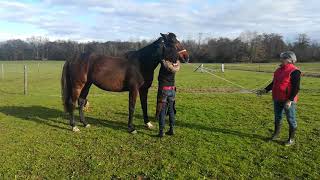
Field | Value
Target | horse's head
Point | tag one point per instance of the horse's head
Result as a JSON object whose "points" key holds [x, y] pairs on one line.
{"points": [[172, 43]]}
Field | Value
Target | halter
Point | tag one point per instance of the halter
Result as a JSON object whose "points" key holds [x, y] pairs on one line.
{"points": [[184, 50]]}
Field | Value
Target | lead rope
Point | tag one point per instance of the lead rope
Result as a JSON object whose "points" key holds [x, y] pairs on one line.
{"points": [[207, 70]]}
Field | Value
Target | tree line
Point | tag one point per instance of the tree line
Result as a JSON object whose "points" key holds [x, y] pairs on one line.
{"points": [[249, 47]]}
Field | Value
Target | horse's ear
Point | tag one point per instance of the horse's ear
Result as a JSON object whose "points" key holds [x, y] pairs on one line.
{"points": [[170, 34], [164, 36]]}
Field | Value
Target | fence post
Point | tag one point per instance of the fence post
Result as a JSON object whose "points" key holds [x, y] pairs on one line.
{"points": [[2, 72], [222, 68], [201, 68], [25, 80], [38, 67]]}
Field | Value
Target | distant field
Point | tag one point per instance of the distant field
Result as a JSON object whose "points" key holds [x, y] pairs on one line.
{"points": [[221, 131]]}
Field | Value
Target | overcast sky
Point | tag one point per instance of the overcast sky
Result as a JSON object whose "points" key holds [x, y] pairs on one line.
{"points": [[102, 20]]}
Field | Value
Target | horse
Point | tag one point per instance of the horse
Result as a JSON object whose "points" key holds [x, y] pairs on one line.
{"points": [[133, 73]]}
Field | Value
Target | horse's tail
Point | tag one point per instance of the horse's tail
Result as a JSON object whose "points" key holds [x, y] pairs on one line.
{"points": [[66, 88]]}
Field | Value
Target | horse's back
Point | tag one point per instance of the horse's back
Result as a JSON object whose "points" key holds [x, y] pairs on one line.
{"points": [[114, 73]]}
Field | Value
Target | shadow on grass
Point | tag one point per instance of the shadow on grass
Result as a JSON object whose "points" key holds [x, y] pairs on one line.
{"points": [[50, 117], [198, 126]]}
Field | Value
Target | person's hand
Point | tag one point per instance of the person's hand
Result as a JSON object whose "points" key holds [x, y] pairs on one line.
{"points": [[261, 92], [170, 66], [288, 104]]}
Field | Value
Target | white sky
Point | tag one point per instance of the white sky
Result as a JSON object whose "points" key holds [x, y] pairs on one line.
{"points": [[102, 20]]}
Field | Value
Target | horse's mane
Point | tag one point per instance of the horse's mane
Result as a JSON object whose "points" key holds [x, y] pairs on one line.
{"points": [[155, 44], [150, 47], [147, 50]]}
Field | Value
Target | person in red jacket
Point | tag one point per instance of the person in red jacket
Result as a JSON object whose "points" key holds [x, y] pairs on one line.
{"points": [[285, 87]]}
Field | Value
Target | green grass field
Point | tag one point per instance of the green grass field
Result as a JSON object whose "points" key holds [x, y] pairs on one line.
{"points": [[221, 132]]}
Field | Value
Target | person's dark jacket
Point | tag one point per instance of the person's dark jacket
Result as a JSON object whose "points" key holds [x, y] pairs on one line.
{"points": [[166, 77]]}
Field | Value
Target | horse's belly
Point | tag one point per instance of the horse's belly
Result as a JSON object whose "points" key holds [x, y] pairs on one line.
{"points": [[114, 84]]}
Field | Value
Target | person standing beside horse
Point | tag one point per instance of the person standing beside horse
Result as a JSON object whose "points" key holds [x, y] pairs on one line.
{"points": [[167, 92], [285, 87]]}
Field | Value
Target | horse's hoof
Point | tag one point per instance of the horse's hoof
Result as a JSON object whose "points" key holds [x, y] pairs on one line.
{"points": [[149, 125], [75, 129], [87, 126]]}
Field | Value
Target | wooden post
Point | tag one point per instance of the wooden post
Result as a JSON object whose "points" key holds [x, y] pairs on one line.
{"points": [[201, 68], [2, 72], [222, 68], [38, 67], [25, 80]]}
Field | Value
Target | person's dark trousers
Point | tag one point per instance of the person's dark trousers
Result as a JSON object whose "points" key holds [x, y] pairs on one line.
{"points": [[167, 98], [279, 109]]}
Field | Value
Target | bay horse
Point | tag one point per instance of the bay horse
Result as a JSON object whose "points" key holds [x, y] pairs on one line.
{"points": [[133, 73]]}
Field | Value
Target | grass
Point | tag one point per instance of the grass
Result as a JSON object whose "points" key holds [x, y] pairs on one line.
{"points": [[220, 132]]}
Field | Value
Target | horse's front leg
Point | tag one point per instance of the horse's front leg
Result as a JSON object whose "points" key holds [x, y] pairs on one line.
{"points": [[132, 102], [143, 93]]}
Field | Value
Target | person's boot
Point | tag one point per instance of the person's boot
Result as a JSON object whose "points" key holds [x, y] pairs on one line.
{"points": [[277, 128], [170, 132], [161, 134], [292, 133]]}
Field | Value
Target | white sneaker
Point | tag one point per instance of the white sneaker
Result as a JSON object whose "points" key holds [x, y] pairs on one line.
{"points": [[290, 142]]}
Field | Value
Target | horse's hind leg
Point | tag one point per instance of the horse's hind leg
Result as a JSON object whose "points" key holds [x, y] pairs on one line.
{"points": [[75, 95], [70, 108], [133, 93], [82, 102]]}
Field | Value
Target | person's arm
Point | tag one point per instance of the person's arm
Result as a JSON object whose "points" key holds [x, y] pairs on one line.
{"points": [[295, 84], [265, 90], [269, 87]]}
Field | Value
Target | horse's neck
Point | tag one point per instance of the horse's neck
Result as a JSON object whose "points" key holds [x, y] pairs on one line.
{"points": [[148, 59]]}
